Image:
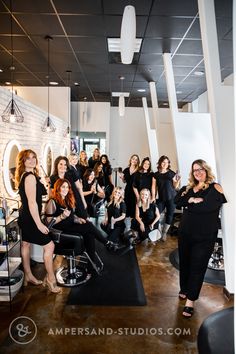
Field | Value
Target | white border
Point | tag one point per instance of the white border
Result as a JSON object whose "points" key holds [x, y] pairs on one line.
{"points": [[44, 157], [6, 157]]}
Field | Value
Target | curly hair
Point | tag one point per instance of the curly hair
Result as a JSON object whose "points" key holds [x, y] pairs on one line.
{"points": [[69, 200], [20, 164], [192, 181]]}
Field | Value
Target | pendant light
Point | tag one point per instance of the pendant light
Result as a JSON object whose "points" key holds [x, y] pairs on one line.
{"points": [[67, 131], [121, 99], [12, 113], [48, 125], [128, 35]]}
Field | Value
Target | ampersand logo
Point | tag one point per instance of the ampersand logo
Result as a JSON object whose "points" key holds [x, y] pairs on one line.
{"points": [[22, 330]]}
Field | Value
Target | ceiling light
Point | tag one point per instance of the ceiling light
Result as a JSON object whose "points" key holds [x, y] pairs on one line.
{"points": [[128, 35], [141, 90], [48, 125], [53, 83], [199, 73], [121, 98], [7, 83], [117, 94], [179, 92], [1, 70], [114, 44], [165, 104], [76, 83]]}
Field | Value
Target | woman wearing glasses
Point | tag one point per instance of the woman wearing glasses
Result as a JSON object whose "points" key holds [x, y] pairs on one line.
{"points": [[201, 200]]}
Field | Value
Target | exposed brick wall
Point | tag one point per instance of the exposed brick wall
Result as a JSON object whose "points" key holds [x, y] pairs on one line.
{"points": [[29, 134]]}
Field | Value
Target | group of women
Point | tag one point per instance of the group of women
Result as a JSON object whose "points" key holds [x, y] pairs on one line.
{"points": [[74, 186]]}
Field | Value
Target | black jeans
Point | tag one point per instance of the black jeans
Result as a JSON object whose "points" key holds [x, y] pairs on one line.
{"points": [[169, 205], [194, 254], [114, 235], [142, 235]]}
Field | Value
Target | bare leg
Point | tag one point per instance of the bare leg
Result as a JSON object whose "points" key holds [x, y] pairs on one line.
{"points": [[25, 253], [50, 279]]}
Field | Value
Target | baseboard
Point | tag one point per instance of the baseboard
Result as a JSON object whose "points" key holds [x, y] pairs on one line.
{"points": [[229, 296]]}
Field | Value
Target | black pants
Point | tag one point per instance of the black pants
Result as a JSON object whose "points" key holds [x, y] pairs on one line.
{"points": [[142, 235], [114, 235], [194, 254], [169, 205]]}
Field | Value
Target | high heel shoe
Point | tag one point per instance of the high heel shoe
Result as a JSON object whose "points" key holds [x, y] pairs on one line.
{"points": [[32, 281], [52, 286]]}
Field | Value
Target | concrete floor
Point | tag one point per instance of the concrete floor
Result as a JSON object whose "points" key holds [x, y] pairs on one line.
{"points": [[154, 329]]}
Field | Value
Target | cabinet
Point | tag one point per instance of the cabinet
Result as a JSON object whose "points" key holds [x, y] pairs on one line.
{"points": [[11, 278]]}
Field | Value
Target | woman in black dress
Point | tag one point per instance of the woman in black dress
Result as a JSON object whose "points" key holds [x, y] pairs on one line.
{"points": [[33, 230], [166, 182], [82, 164], [73, 159], [114, 222], [201, 200], [144, 179], [62, 170], [146, 217], [128, 177], [95, 158], [92, 191], [107, 171]]}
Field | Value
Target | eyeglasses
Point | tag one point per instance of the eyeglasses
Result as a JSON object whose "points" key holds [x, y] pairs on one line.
{"points": [[198, 170]]}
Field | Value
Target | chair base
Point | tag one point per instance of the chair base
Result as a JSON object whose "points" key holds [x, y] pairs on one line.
{"points": [[79, 276]]}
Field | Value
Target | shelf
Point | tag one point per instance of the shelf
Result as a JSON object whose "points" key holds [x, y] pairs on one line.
{"points": [[14, 263], [5, 248]]}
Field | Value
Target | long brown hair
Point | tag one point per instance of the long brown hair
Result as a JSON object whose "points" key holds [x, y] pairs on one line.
{"points": [[69, 200], [20, 164], [56, 163]]}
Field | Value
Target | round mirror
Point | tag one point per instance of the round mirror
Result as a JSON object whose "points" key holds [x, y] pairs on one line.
{"points": [[64, 151], [9, 166], [47, 160]]}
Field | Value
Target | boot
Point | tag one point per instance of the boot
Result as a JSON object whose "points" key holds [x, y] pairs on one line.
{"points": [[111, 246], [164, 232]]}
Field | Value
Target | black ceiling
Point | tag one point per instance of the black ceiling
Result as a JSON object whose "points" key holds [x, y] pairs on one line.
{"points": [[80, 29]]}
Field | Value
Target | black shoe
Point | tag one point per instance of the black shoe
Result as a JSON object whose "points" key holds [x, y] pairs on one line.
{"points": [[111, 246]]}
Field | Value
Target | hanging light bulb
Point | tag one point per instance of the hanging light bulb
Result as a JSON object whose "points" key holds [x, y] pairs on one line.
{"points": [[128, 35], [12, 113], [48, 125], [67, 131], [122, 99]]}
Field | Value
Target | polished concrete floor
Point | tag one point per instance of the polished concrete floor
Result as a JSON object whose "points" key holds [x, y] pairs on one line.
{"points": [[154, 329]]}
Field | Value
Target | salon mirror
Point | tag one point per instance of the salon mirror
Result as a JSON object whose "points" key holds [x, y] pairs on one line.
{"points": [[47, 159], [9, 167]]}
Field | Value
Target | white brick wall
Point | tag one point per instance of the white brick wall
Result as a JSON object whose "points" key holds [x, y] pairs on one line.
{"points": [[29, 134]]}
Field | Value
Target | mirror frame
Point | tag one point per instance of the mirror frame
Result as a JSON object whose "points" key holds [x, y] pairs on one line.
{"points": [[6, 159], [46, 147]]}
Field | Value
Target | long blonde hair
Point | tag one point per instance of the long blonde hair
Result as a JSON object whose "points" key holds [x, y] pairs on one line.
{"points": [[140, 203], [20, 164], [210, 178], [112, 198]]}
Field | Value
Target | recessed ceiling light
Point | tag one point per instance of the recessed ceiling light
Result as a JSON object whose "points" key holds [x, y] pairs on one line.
{"points": [[117, 94], [141, 90], [114, 44], [178, 92], [1, 70], [53, 83], [7, 83], [76, 83], [165, 104], [199, 73]]}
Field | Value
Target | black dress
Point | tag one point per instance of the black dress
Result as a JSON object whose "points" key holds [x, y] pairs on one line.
{"points": [[115, 233], [92, 162], [143, 180], [30, 232], [130, 198], [197, 235]]}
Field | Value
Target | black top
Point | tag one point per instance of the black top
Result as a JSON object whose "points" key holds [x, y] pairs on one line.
{"points": [[107, 170], [149, 215], [86, 188], [81, 169], [63, 224], [130, 198], [30, 232], [72, 177], [143, 180], [166, 190], [201, 218], [116, 212], [92, 162]]}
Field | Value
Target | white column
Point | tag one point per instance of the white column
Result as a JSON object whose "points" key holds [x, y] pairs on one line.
{"points": [[155, 112], [152, 142], [221, 106]]}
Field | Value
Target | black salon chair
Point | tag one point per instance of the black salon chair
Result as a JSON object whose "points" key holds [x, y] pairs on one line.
{"points": [[72, 247], [216, 334]]}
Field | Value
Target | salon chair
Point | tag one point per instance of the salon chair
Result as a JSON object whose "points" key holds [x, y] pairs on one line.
{"points": [[72, 247], [216, 334]]}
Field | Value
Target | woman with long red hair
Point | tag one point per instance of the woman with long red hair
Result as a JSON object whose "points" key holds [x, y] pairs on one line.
{"points": [[33, 230], [61, 206]]}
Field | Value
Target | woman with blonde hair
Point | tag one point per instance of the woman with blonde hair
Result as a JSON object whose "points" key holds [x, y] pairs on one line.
{"points": [[146, 216], [114, 222], [201, 201], [33, 230]]}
